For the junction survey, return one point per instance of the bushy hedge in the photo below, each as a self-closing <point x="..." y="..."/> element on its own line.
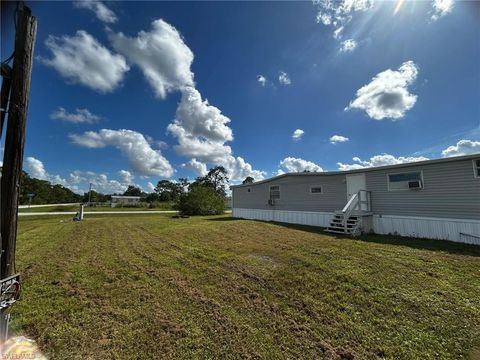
<point x="201" y="200"/>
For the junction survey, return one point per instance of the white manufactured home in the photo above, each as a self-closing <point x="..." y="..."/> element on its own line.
<point x="437" y="199"/>
<point x="120" y="200"/>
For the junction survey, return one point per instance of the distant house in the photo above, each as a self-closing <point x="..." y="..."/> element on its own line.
<point x="438" y="199"/>
<point x="125" y="200"/>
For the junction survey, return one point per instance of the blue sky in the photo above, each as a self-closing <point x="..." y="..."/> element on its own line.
<point x="119" y="88"/>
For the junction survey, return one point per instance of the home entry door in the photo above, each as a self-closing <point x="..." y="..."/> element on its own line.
<point x="355" y="183"/>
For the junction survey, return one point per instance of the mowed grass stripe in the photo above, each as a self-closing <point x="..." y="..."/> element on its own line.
<point x="150" y="286"/>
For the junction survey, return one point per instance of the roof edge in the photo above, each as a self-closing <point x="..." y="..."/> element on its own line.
<point x="346" y="172"/>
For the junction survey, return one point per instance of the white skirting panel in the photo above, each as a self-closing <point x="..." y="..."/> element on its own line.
<point x="312" y="218"/>
<point x="459" y="230"/>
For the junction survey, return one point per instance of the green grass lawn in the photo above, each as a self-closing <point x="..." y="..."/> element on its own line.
<point x="153" y="287"/>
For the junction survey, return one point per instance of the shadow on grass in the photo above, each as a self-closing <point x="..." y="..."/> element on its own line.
<point x="415" y="243"/>
<point x="226" y="218"/>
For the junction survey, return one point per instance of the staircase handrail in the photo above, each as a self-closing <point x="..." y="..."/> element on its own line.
<point x="347" y="210"/>
<point x="350" y="202"/>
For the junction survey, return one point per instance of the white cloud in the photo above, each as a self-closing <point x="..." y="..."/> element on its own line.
<point x="338" y="139"/>
<point x="387" y="96"/>
<point x="198" y="167"/>
<point x="102" y="12"/>
<point x="284" y="79"/>
<point x="161" y="144"/>
<point x="463" y="147"/>
<point x="126" y="176"/>
<point x="162" y="55"/>
<point x="292" y="164"/>
<point x="238" y="169"/>
<point x="201" y="129"/>
<point x="201" y="119"/>
<point x="79" y="181"/>
<point x="337" y="34"/>
<point x="82" y="59"/>
<point x="297" y="134"/>
<point x="197" y="147"/>
<point x="441" y="8"/>
<point x="379" y="160"/>
<point x="142" y="159"/>
<point x="150" y="187"/>
<point x="348" y="45"/>
<point x="76" y="117"/>
<point x="36" y="169"/>
<point x="262" y="80"/>
<point x="338" y="13"/>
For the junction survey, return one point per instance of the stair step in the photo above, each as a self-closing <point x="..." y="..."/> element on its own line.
<point x="348" y="221"/>
<point x="351" y="222"/>
<point x="342" y="226"/>
<point x="341" y="217"/>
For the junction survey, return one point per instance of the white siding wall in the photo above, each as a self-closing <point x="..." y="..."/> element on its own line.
<point x="432" y="228"/>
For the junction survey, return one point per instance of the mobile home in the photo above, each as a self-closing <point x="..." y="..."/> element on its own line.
<point x="437" y="199"/>
<point x="120" y="200"/>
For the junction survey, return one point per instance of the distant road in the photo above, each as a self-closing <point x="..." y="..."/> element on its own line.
<point x="45" y="205"/>
<point x="97" y="212"/>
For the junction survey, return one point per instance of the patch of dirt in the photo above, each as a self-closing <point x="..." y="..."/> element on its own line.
<point x="335" y="353"/>
<point x="264" y="259"/>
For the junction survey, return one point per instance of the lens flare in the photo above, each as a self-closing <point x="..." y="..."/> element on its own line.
<point x="398" y="6"/>
<point x="20" y="348"/>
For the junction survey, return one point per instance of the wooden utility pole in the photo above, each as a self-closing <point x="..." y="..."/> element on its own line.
<point x="5" y="93"/>
<point x="26" y="29"/>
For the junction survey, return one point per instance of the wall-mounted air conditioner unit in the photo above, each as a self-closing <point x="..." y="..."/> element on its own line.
<point x="415" y="185"/>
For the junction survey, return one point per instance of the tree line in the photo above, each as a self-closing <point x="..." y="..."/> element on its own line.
<point x="203" y="196"/>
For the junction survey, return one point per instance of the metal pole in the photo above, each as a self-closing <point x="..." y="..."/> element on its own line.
<point x="89" y="195"/>
<point x="14" y="145"/>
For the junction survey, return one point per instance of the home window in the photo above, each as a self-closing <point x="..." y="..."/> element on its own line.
<point x="405" y="181"/>
<point x="249" y="190"/>
<point x="316" y="190"/>
<point x="476" y="168"/>
<point x="274" y="192"/>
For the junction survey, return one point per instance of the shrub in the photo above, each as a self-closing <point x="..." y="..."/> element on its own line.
<point x="162" y="205"/>
<point x="201" y="200"/>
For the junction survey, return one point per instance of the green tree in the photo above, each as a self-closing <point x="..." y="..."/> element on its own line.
<point x="43" y="192"/>
<point x="168" y="190"/>
<point x="248" y="180"/>
<point x="184" y="184"/>
<point x="152" y="197"/>
<point x="201" y="200"/>
<point x="132" y="191"/>
<point x="216" y="178"/>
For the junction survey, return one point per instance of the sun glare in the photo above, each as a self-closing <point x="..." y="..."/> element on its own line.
<point x="398" y="6"/>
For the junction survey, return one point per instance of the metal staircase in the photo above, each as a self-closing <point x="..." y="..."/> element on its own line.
<point x="349" y="220"/>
